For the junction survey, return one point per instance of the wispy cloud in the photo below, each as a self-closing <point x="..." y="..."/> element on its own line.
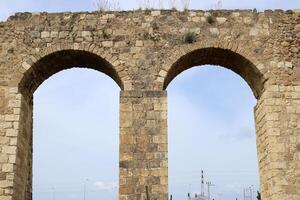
<point x="232" y="188"/>
<point x="73" y="196"/>
<point x="106" y="186"/>
<point x="242" y="133"/>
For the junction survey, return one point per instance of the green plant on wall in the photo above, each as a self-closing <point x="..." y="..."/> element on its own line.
<point x="210" y="20"/>
<point x="189" y="37"/>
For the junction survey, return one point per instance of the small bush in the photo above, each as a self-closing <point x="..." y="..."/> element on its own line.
<point x="155" y="26"/>
<point x="211" y="20"/>
<point x="189" y="37"/>
<point x="105" y="34"/>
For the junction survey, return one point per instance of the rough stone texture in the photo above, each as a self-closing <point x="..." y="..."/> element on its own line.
<point x="143" y="148"/>
<point x="143" y="52"/>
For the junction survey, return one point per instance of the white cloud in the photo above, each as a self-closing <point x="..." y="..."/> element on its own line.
<point x="233" y="187"/>
<point x="73" y="196"/>
<point x="106" y="186"/>
<point x="245" y="132"/>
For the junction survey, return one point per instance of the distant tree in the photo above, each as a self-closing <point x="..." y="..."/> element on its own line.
<point x="107" y="5"/>
<point x="258" y="195"/>
<point x="185" y="4"/>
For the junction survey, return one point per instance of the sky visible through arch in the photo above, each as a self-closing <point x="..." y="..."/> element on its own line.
<point x="211" y="123"/>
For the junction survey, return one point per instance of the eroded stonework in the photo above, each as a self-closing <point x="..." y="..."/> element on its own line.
<point x="143" y="52"/>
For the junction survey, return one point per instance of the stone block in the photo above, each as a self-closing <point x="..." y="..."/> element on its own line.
<point x="155" y="13"/>
<point x="221" y="20"/>
<point x="45" y="34"/>
<point x="214" y="31"/>
<point x="11" y="150"/>
<point x="108" y="44"/>
<point x="7" y="167"/>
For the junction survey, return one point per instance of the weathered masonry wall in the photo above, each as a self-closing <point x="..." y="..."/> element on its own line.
<point x="143" y="145"/>
<point x="143" y="52"/>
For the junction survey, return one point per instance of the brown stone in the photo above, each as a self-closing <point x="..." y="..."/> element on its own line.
<point x="143" y="52"/>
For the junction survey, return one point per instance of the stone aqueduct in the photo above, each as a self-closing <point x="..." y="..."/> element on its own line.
<point x="143" y="51"/>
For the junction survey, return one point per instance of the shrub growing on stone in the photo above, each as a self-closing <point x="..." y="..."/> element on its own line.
<point x="189" y="37"/>
<point x="211" y="20"/>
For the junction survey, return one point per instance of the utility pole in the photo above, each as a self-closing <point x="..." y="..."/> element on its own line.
<point x="53" y="193"/>
<point x="251" y="191"/>
<point x="84" y="189"/>
<point x="209" y="184"/>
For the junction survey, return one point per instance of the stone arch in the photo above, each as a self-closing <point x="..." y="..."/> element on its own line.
<point x="38" y="70"/>
<point x="222" y="57"/>
<point x="230" y="56"/>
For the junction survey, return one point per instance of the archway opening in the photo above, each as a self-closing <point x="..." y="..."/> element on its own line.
<point x="216" y="134"/>
<point x="75" y="130"/>
<point x="221" y="57"/>
<point x="75" y="137"/>
<point x="211" y="125"/>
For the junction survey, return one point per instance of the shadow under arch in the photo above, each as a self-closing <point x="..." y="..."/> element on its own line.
<point x="221" y="57"/>
<point x="61" y="60"/>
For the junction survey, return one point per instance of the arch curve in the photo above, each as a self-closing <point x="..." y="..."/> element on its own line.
<point x="56" y="61"/>
<point x="222" y="57"/>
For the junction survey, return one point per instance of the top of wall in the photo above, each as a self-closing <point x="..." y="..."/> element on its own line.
<point x="26" y="15"/>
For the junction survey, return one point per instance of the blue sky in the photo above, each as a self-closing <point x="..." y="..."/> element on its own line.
<point x="8" y="7"/>
<point x="211" y="123"/>
<point x="76" y="136"/>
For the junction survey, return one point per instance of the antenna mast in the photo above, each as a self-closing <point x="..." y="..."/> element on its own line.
<point x="202" y="183"/>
